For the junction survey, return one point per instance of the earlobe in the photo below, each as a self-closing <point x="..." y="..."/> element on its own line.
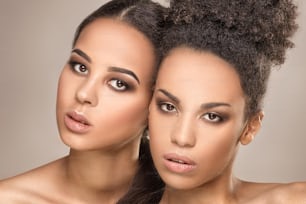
<point x="251" y="129"/>
<point x="246" y="138"/>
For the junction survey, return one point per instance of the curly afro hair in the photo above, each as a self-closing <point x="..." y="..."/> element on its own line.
<point x="252" y="35"/>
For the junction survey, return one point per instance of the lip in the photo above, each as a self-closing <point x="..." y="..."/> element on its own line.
<point x="76" y="122"/>
<point x="178" y="164"/>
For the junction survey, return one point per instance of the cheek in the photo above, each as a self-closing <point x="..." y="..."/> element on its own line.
<point x="133" y="111"/>
<point x="61" y="90"/>
<point x="130" y="112"/>
<point x="219" y="145"/>
<point x="159" y="131"/>
<point x="65" y="89"/>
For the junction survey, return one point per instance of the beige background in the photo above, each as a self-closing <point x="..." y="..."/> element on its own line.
<point x="35" y="40"/>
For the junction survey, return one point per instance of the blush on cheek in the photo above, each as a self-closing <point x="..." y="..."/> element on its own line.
<point x="130" y="115"/>
<point x="225" y="149"/>
<point x="137" y="114"/>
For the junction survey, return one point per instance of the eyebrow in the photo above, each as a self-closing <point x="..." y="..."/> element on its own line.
<point x="82" y="54"/>
<point x="112" y="69"/>
<point x="214" y="105"/>
<point x="124" y="71"/>
<point x="169" y="95"/>
<point x="203" y="106"/>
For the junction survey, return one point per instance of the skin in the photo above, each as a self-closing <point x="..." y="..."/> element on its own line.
<point x="197" y="118"/>
<point x="108" y="84"/>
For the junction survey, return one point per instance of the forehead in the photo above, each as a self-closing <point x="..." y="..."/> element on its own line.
<point x="202" y="75"/>
<point x="109" y="29"/>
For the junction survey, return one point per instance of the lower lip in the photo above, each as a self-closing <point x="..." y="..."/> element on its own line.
<point x="178" y="167"/>
<point x="75" y="126"/>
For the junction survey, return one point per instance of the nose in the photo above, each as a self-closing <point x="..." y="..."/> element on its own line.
<point x="87" y="93"/>
<point x="183" y="133"/>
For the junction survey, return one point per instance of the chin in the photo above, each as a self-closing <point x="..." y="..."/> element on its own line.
<point x="176" y="182"/>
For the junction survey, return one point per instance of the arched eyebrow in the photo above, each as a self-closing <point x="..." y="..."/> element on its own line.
<point x="111" y="69"/>
<point x="82" y="54"/>
<point x="208" y="105"/>
<point x="124" y="71"/>
<point x="169" y="95"/>
<point x="214" y="105"/>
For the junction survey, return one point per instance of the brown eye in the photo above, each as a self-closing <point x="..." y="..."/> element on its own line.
<point x="82" y="68"/>
<point x="79" y="68"/>
<point x="118" y="85"/>
<point x="212" y="117"/>
<point x="167" y="107"/>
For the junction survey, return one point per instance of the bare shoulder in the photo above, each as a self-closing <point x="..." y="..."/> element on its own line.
<point x="28" y="187"/>
<point x="274" y="193"/>
<point x="291" y="193"/>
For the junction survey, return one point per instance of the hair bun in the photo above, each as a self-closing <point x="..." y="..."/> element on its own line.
<point x="267" y="24"/>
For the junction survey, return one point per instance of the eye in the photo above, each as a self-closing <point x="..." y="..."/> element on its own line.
<point x="167" y="107"/>
<point x="79" y="68"/>
<point x="118" y="84"/>
<point x="212" y="117"/>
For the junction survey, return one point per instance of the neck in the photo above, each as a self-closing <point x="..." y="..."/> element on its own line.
<point x="103" y="174"/>
<point x="222" y="190"/>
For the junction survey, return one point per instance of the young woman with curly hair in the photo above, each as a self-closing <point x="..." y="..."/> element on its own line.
<point x="217" y="58"/>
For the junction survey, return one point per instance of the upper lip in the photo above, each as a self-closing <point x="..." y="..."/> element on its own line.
<point x="179" y="159"/>
<point x="79" y="117"/>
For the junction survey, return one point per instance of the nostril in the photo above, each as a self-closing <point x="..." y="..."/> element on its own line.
<point x="87" y="102"/>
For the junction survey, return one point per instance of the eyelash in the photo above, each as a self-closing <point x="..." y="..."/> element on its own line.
<point x="216" y="118"/>
<point x="118" y="87"/>
<point x="209" y="117"/>
<point x="78" y="68"/>
<point x="163" y="107"/>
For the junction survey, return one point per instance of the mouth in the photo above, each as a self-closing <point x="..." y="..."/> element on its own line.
<point x="179" y="164"/>
<point x="77" y="117"/>
<point x="178" y="161"/>
<point x="77" y="122"/>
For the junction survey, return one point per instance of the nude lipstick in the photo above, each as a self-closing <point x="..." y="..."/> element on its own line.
<point x="76" y="122"/>
<point x="178" y="164"/>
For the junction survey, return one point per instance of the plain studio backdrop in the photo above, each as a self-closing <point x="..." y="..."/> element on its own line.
<point x="35" y="43"/>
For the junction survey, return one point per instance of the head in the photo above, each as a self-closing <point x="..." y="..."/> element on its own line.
<point x="212" y="80"/>
<point x="105" y="88"/>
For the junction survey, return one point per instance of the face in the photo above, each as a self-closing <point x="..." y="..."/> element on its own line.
<point x="104" y="89"/>
<point x="196" y="118"/>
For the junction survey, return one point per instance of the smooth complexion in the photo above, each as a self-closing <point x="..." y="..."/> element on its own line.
<point x="104" y="90"/>
<point x="102" y="104"/>
<point x="196" y="122"/>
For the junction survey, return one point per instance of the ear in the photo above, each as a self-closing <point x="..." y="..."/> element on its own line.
<point x="252" y="127"/>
